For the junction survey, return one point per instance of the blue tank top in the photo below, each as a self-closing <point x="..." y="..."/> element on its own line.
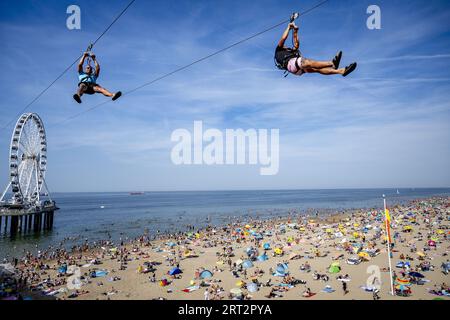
<point x="86" y="78"/>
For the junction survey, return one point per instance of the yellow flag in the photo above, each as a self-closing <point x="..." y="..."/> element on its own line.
<point x="388" y="217"/>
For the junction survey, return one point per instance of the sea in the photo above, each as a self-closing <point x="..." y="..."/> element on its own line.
<point x="123" y="215"/>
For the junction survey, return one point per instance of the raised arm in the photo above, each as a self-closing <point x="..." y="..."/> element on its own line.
<point x="97" y="66"/>
<point x="295" y="37"/>
<point x="284" y="36"/>
<point x="81" y="63"/>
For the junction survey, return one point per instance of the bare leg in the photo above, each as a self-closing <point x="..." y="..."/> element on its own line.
<point x="103" y="91"/>
<point x="325" y="71"/>
<point x="81" y="89"/>
<point x="312" y="64"/>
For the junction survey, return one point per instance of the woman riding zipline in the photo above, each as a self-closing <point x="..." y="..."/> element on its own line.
<point x="292" y="61"/>
<point x="88" y="80"/>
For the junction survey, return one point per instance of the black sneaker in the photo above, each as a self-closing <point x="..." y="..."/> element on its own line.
<point x="77" y="98"/>
<point x="337" y="60"/>
<point x="116" y="96"/>
<point x="349" y="69"/>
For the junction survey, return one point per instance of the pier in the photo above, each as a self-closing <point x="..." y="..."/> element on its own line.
<point x="16" y="220"/>
<point x="26" y="205"/>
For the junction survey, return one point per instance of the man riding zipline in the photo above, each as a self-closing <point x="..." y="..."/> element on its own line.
<point x="88" y="80"/>
<point x="292" y="61"/>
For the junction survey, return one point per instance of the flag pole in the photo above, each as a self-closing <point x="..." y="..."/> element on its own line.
<point x="388" y="245"/>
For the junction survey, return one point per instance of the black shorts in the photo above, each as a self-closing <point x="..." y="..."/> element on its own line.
<point x="90" y="87"/>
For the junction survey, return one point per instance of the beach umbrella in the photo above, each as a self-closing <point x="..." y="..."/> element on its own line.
<point x="278" y="251"/>
<point x="247" y="264"/>
<point x="266" y="246"/>
<point x="205" y="274"/>
<point x="402" y="281"/>
<point x="175" y="271"/>
<point x="431" y="243"/>
<point x="416" y="274"/>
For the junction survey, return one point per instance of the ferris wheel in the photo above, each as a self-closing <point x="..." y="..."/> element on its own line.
<point x="27" y="160"/>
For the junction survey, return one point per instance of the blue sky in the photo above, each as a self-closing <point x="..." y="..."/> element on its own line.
<point x="386" y="125"/>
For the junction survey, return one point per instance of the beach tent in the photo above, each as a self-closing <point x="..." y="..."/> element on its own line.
<point x="62" y="269"/>
<point x="263" y="257"/>
<point x="252" y="287"/>
<point x="247" y="264"/>
<point x="251" y="252"/>
<point x="174" y="271"/>
<point x="171" y="244"/>
<point x="266" y="246"/>
<point x="281" y="270"/>
<point x="258" y="236"/>
<point x="205" y="274"/>
<point x="334" y="268"/>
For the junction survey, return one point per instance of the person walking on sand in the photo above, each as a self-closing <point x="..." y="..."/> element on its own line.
<point x="344" y="287"/>
<point x="206" y="294"/>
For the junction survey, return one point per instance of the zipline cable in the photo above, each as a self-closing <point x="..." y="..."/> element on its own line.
<point x="195" y="62"/>
<point x="69" y="67"/>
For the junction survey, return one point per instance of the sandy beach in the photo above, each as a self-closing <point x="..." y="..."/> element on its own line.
<point x="342" y="256"/>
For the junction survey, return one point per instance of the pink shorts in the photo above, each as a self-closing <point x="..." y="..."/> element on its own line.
<point x="292" y="68"/>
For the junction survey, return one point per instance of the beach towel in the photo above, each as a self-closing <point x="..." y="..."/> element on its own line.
<point x="287" y="285"/>
<point x="100" y="273"/>
<point x="328" y="289"/>
<point x="309" y="295"/>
